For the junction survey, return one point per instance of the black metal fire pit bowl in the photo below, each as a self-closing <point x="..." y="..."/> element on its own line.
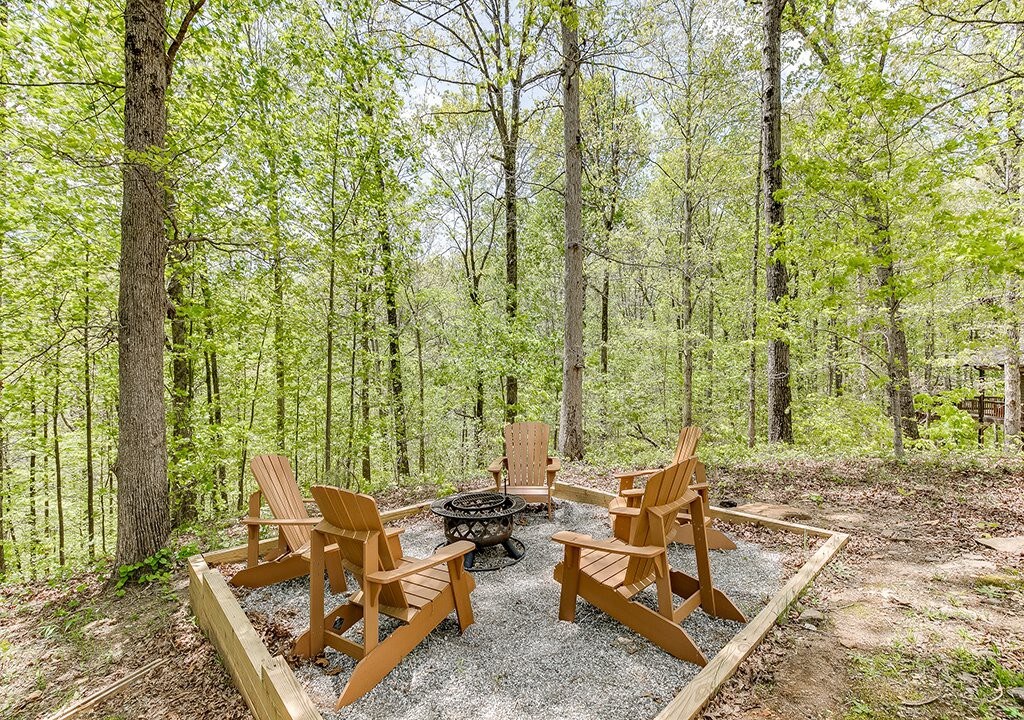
<point x="485" y="519"/>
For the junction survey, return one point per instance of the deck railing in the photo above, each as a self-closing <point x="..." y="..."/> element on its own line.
<point x="994" y="408"/>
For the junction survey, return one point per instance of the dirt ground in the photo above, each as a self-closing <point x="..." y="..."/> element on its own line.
<point x="914" y="619"/>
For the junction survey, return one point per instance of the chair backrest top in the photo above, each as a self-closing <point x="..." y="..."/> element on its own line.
<point x="359" y="514"/>
<point x="526" y="447"/>
<point x="274" y="476"/>
<point x="687" y="443"/>
<point x="665" y="487"/>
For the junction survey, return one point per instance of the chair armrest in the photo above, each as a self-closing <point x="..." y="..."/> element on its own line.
<point x="497" y="465"/>
<point x="554" y="464"/>
<point x="699" y="486"/>
<point x="631" y="492"/>
<point x="280" y="521"/>
<point x="392" y="532"/>
<point x="627" y="511"/>
<point x="589" y="543"/>
<point x="633" y="474"/>
<point x="444" y="555"/>
<point x="674" y="507"/>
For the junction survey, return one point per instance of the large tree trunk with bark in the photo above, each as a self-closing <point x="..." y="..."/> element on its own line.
<point x="780" y="420"/>
<point x="571" y="417"/>
<point x="142" y="490"/>
<point x="511" y="272"/>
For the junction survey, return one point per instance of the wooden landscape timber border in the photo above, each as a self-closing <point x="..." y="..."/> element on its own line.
<point x="272" y="693"/>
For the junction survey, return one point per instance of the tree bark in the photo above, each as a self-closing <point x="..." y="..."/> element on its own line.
<point x="571" y="417"/>
<point x="141" y="468"/>
<point x="423" y="404"/>
<point x="1012" y="389"/>
<point x="754" y="270"/>
<point x="391" y="308"/>
<point x="899" y="390"/>
<point x="364" y="388"/>
<point x="58" y="476"/>
<point x="511" y="273"/>
<point x="90" y="472"/>
<point x="213" y="399"/>
<point x="184" y="509"/>
<point x="278" y="280"/>
<point x="780" y="420"/>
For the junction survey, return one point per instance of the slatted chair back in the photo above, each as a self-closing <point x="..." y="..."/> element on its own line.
<point x="686" y="446"/>
<point x="526" y="447"/>
<point x="358" y="517"/>
<point x="276" y="482"/>
<point x="665" y="488"/>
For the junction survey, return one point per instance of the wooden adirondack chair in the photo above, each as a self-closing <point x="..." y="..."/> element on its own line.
<point x="630" y="496"/>
<point x="527" y="465"/>
<point x="610" y="573"/>
<point x="291" y="558"/>
<point x="420" y="593"/>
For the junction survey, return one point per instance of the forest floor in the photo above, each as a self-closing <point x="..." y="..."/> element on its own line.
<point x="914" y="619"/>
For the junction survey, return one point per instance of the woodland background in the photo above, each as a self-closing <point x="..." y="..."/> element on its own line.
<point x="351" y="280"/>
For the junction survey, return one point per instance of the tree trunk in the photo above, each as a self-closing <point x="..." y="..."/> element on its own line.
<point x="252" y="419"/>
<point x="571" y="418"/>
<point x="33" y="527"/>
<point x="329" y="395"/>
<point x="90" y="473"/>
<point x="604" y="323"/>
<point x="391" y="307"/>
<point x="423" y="404"/>
<point x="754" y="270"/>
<point x="58" y="477"/>
<point x="901" y="395"/>
<point x="1011" y="392"/>
<point x="278" y="279"/>
<point x="183" y="498"/>
<point x="141" y="467"/>
<point x="780" y="420"/>
<point x="686" y="317"/>
<point x="511" y="275"/>
<point x="213" y="401"/>
<point x="364" y="388"/>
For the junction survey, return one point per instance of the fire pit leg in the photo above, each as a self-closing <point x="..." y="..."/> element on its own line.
<point x="512" y="550"/>
<point x="467" y="561"/>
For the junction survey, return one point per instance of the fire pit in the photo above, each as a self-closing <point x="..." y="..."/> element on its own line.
<point x="485" y="519"/>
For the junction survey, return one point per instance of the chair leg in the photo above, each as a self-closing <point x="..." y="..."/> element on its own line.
<point x="685" y="585"/>
<point x="460" y="593"/>
<point x="349" y="613"/>
<point x="570" y="584"/>
<point x="660" y="630"/>
<point x="385" y="657"/>
<point x="717" y="540"/>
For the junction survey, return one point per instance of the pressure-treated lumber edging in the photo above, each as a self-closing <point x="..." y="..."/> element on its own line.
<point x="699" y="691"/>
<point x="266" y="683"/>
<point x="272" y="693"/>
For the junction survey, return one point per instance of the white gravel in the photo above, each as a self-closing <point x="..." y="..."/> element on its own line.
<point x="519" y="660"/>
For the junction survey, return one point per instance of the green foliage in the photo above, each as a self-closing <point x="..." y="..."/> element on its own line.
<point x="302" y="135"/>
<point x="947" y="427"/>
<point x="155" y="568"/>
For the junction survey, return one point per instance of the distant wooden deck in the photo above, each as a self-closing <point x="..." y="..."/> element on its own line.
<point x="986" y="410"/>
